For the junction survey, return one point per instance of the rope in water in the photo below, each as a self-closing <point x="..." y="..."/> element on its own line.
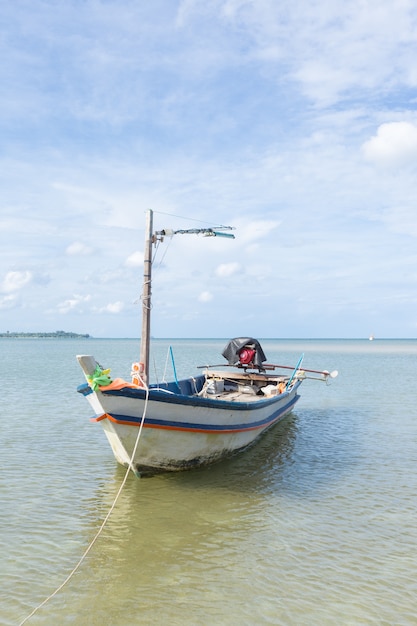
<point x="98" y="533"/>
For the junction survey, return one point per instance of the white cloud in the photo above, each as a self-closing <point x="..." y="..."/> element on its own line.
<point x="327" y="50"/>
<point x="73" y="304"/>
<point x="78" y="249"/>
<point x="113" y="307"/>
<point x="135" y="259"/>
<point x="184" y="11"/>
<point x="256" y="230"/>
<point x="205" y="296"/>
<point x="8" y="302"/>
<point x="394" y="144"/>
<point x="14" y="281"/>
<point x="402" y="220"/>
<point x="228" y="269"/>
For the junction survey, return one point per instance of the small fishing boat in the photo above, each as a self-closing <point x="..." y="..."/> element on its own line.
<point x="187" y="423"/>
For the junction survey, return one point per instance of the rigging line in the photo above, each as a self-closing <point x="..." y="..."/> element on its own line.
<point x="110" y="511"/>
<point x="186" y="218"/>
<point x="154" y="269"/>
<point x="164" y="254"/>
<point x="164" y="380"/>
<point x="155" y="372"/>
<point x="141" y="298"/>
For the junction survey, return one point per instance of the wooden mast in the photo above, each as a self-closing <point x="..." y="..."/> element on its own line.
<point x="146" y="298"/>
<point x="151" y="238"/>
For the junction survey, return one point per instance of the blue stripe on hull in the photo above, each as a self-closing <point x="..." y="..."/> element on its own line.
<point x="209" y="428"/>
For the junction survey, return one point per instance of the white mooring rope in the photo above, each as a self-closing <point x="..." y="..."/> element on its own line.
<point x="98" y="533"/>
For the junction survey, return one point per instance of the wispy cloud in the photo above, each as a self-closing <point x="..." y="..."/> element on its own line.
<point x="112" y="307"/>
<point x="228" y="269"/>
<point x="16" y="280"/>
<point x="78" y="249"/>
<point x="74" y="304"/>
<point x="293" y="122"/>
<point x="135" y="259"/>
<point x="8" y="302"/>
<point x="205" y="296"/>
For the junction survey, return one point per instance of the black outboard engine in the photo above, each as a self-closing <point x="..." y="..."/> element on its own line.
<point x="245" y="352"/>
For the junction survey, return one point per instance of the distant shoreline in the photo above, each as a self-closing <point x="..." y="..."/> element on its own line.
<point x="58" y="334"/>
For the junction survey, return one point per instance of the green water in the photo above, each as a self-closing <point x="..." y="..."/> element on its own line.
<point x="314" y="525"/>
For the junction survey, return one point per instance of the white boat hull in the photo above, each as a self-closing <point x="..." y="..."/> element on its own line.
<point x="182" y="430"/>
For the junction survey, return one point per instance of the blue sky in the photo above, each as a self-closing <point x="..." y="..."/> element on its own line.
<point x="294" y="122"/>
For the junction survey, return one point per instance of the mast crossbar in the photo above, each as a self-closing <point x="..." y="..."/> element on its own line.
<point x="207" y="232"/>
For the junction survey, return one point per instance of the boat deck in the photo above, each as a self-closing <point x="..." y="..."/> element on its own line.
<point x="237" y="396"/>
<point x="244" y="377"/>
<point x="241" y="386"/>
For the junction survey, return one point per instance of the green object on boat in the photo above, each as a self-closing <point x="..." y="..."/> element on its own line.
<point x="100" y="378"/>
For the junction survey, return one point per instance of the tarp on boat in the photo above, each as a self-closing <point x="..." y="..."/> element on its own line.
<point x="235" y="346"/>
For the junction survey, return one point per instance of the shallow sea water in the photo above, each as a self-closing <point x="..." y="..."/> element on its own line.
<point x="315" y="524"/>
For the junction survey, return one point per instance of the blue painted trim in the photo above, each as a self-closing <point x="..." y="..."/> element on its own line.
<point x="157" y="395"/>
<point x="84" y="389"/>
<point x="195" y="401"/>
<point x="192" y="426"/>
<point x="185" y="387"/>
